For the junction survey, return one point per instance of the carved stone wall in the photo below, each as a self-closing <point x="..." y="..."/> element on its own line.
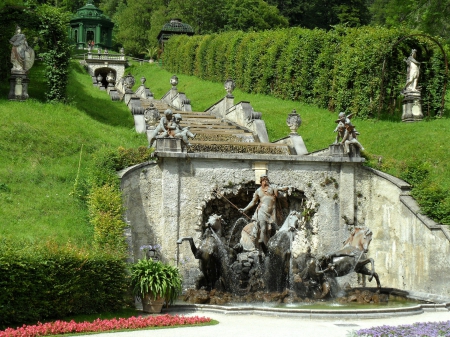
<point x="170" y="199"/>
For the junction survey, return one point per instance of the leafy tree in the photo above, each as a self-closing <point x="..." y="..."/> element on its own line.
<point x="204" y="16"/>
<point x="134" y="23"/>
<point x="248" y="15"/>
<point x="428" y="16"/>
<point x="324" y="13"/>
<point x="56" y="50"/>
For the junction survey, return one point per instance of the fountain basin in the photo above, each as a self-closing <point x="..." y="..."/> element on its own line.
<point x="398" y="304"/>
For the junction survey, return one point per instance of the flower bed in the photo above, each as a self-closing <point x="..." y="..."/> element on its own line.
<point x="427" y="329"/>
<point x="61" y="327"/>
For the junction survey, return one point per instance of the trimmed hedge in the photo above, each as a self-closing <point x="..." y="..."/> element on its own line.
<point x="51" y="282"/>
<point x="340" y="69"/>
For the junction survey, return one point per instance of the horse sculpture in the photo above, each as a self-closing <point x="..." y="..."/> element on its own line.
<point x="318" y="275"/>
<point x="210" y="252"/>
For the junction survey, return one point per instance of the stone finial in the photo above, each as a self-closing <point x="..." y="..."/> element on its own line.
<point x="229" y="87"/>
<point x="122" y="51"/>
<point x="174" y="81"/>
<point x="294" y="121"/>
<point x="99" y="78"/>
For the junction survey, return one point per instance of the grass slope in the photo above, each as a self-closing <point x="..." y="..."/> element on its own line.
<point x="40" y="151"/>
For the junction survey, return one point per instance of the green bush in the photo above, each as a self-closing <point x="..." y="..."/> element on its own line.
<point x="43" y="282"/>
<point x="341" y="69"/>
<point x="105" y="198"/>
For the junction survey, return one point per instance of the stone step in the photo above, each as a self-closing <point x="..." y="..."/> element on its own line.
<point x="237" y="147"/>
<point x="218" y="131"/>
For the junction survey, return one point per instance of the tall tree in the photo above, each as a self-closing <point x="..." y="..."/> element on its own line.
<point x="324" y="13"/>
<point x="204" y="16"/>
<point x="429" y="16"/>
<point x="255" y="15"/>
<point x="134" y="23"/>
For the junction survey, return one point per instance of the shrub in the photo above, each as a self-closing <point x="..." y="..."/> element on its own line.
<point x="341" y="69"/>
<point x="46" y="281"/>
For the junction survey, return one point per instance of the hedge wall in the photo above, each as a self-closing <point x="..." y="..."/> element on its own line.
<point x="340" y="69"/>
<point x="46" y="283"/>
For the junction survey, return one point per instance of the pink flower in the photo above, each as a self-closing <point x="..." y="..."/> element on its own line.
<point x="61" y="327"/>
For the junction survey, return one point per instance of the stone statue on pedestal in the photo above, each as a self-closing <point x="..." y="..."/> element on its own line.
<point x="22" y="59"/>
<point x="412" y="108"/>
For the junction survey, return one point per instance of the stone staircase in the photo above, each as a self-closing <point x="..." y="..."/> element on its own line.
<point x="218" y="135"/>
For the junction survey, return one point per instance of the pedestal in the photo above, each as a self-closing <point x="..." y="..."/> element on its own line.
<point x="337" y="150"/>
<point x="412" y="108"/>
<point x="167" y="144"/>
<point x="18" y="86"/>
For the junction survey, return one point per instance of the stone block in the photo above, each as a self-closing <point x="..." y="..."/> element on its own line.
<point x="167" y="144"/>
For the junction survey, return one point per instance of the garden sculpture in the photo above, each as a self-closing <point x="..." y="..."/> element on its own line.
<point x="22" y="55"/>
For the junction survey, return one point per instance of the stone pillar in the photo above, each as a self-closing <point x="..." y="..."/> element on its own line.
<point x="18" y="86"/>
<point x="412" y="108"/>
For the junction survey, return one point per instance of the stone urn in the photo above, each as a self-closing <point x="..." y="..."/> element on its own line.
<point x="294" y="121"/>
<point x="110" y="78"/>
<point x="229" y="87"/>
<point x="174" y="81"/>
<point x="129" y="81"/>
<point x="152" y="305"/>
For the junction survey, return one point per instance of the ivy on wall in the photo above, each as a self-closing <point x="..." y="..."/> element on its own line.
<point x="340" y="70"/>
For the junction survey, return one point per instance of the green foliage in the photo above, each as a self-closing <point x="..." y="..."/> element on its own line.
<point x="56" y="50"/>
<point x="415" y="173"/>
<point x="341" y="69"/>
<point x="324" y="14"/>
<point x="106" y="215"/>
<point x="105" y="198"/>
<point x="248" y="15"/>
<point x="434" y="200"/>
<point x="135" y="25"/>
<point x="155" y="278"/>
<point x="41" y="282"/>
<point x="427" y="16"/>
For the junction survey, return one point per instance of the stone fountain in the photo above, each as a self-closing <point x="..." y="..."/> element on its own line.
<point x="267" y="257"/>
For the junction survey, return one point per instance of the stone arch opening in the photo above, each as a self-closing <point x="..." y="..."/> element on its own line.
<point x="104" y="71"/>
<point x="229" y="199"/>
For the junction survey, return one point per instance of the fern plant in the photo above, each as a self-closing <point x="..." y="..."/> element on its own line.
<point x="157" y="279"/>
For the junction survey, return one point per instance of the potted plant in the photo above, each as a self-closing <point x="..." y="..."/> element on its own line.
<point x="155" y="282"/>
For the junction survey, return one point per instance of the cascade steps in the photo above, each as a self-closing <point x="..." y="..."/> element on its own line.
<point x="214" y="134"/>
